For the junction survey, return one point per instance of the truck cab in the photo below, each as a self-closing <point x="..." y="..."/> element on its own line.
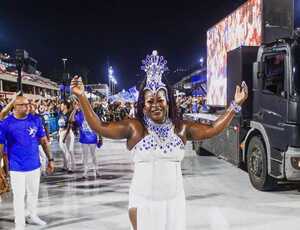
<point x="272" y="145"/>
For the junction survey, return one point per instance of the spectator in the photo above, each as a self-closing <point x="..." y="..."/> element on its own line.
<point x="23" y="132"/>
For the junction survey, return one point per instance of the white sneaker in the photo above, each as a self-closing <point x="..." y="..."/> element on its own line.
<point x="35" y="220"/>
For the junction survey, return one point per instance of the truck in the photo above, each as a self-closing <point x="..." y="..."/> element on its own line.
<point x="265" y="137"/>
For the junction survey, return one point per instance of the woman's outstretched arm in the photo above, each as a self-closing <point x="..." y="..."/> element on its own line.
<point x="113" y="130"/>
<point x="198" y="131"/>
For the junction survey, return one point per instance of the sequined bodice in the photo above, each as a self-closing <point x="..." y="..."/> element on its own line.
<point x="153" y="148"/>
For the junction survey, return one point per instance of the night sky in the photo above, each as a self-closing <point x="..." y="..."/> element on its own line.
<point x="119" y="32"/>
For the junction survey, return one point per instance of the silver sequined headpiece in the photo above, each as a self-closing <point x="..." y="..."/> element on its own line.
<point x="154" y="66"/>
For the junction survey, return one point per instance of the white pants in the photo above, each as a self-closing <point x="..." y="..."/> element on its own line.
<point x="89" y="149"/>
<point x="1" y="165"/>
<point x="67" y="148"/>
<point x="25" y="183"/>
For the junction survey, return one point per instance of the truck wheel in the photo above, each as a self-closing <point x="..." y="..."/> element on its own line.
<point x="203" y="152"/>
<point x="199" y="150"/>
<point x="257" y="165"/>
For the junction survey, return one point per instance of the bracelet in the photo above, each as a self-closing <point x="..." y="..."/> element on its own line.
<point x="51" y="159"/>
<point x="235" y="107"/>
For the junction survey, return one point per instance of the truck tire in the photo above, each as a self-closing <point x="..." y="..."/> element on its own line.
<point x="257" y="165"/>
<point x="203" y="152"/>
<point x="199" y="150"/>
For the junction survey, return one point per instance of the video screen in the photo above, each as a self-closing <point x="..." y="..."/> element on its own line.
<point x="241" y="28"/>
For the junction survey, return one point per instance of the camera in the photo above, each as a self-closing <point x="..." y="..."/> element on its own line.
<point x="21" y="55"/>
<point x="23" y="60"/>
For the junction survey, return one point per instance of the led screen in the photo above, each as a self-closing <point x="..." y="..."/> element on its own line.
<point x="241" y="28"/>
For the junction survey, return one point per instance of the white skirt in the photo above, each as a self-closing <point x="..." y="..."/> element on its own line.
<point x="159" y="215"/>
<point x="161" y="208"/>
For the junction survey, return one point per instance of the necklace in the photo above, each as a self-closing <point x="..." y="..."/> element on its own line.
<point x="163" y="138"/>
<point x="161" y="130"/>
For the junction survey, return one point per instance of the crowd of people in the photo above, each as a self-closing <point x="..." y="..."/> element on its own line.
<point x="50" y="109"/>
<point x="106" y="110"/>
<point x="62" y="121"/>
<point x="191" y="104"/>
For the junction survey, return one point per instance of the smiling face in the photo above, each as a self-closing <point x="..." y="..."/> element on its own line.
<point x="156" y="105"/>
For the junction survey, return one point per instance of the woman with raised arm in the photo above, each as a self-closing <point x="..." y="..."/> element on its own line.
<point x="156" y="137"/>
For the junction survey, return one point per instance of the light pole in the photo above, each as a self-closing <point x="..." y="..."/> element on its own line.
<point x="21" y="56"/>
<point x="64" y="61"/>
<point x="64" y="77"/>
<point x="115" y="84"/>
<point x="110" y="78"/>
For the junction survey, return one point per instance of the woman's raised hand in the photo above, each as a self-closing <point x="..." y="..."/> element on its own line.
<point x="241" y="93"/>
<point x="77" y="86"/>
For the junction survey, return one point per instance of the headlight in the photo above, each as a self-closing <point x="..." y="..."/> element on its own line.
<point x="295" y="162"/>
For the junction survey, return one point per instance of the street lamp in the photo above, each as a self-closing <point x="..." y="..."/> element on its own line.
<point x="110" y="71"/>
<point x="64" y="61"/>
<point x="201" y="61"/>
<point x="111" y="80"/>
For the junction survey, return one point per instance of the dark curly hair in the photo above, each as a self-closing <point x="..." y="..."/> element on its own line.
<point x="173" y="112"/>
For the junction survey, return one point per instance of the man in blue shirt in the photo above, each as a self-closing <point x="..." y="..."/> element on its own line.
<point x="22" y="133"/>
<point x="4" y="185"/>
<point x="4" y="157"/>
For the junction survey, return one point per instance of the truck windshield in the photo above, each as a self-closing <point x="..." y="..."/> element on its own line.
<point x="296" y="70"/>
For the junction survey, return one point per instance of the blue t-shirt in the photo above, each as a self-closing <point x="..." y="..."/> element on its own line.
<point x="87" y="136"/>
<point x="22" y="137"/>
<point x="5" y="144"/>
